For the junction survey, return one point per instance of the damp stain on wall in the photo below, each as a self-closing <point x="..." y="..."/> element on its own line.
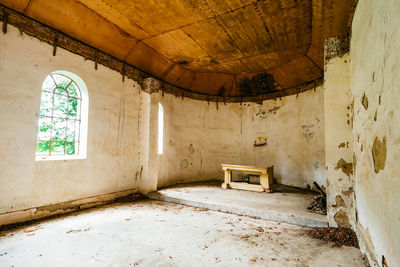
<point x="308" y="132"/>
<point x="191" y="149"/>
<point x="273" y="110"/>
<point x="184" y="164"/>
<point x="379" y="154"/>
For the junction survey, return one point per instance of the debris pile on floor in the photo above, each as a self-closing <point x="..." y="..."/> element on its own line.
<point x="129" y="198"/>
<point x="341" y="236"/>
<point x="318" y="205"/>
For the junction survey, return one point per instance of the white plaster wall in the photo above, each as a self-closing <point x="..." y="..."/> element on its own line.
<point x="339" y="142"/>
<point x="199" y="138"/>
<point x="114" y="140"/>
<point x="375" y="61"/>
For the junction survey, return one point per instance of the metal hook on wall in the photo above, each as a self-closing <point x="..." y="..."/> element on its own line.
<point x="5" y="21"/>
<point x="123" y="71"/>
<point x="55" y="44"/>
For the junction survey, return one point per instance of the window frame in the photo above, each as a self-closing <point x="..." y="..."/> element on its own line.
<point x="84" y="107"/>
<point x="160" y="132"/>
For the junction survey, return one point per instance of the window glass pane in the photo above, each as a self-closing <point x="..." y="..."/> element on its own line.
<point x="73" y="90"/>
<point x="70" y="148"/>
<point x="42" y="147"/>
<point x="72" y="130"/>
<point x="61" y="80"/>
<point x="73" y="108"/>
<point x="57" y="147"/>
<point x="60" y="106"/>
<point x="59" y="129"/>
<point x="46" y="103"/>
<point x="48" y="84"/>
<point x="61" y="91"/>
<point x="44" y="129"/>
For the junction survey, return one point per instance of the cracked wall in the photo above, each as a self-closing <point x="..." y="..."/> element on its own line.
<point x="375" y="83"/>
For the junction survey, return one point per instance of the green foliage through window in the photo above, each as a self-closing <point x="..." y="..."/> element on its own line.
<point x="59" y="120"/>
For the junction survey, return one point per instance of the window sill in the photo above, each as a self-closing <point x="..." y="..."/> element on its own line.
<point x="50" y="158"/>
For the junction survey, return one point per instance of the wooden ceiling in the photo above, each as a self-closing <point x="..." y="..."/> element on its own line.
<point x="204" y="45"/>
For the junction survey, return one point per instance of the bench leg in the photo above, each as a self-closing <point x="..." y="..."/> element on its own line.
<point x="264" y="181"/>
<point x="227" y="179"/>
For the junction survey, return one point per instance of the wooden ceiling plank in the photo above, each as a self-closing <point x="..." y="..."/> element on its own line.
<point x="199" y="45"/>
<point x="297" y="71"/>
<point x="83" y="24"/>
<point x="273" y="60"/>
<point x="109" y="12"/>
<point x="286" y="28"/>
<point x="17" y="5"/>
<point x="180" y="48"/>
<point x="213" y="39"/>
<point x="247" y="30"/>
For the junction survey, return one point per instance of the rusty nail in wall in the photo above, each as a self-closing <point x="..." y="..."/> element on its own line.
<point x="123" y="71"/>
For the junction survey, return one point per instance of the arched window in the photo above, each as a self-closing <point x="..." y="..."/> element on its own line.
<point x="160" y="128"/>
<point x="62" y="129"/>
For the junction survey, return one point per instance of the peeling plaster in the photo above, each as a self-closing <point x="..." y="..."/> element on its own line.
<point x="339" y="202"/>
<point x="348" y="192"/>
<point x="342" y="219"/>
<point x="364" y="102"/>
<point x="342" y="145"/>
<point x="346" y="168"/>
<point x="379" y="154"/>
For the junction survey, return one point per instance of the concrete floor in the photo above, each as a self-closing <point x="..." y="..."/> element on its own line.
<point x="152" y="233"/>
<point x="286" y="204"/>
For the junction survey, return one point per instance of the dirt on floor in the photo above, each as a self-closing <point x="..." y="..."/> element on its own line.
<point x="4" y="229"/>
<point x="341" y="236"/>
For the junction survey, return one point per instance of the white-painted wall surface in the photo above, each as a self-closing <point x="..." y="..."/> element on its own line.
<point x="114" y="144"/>
<point x="375" y="61"/>
<point x="199" y="138"/>
<point x="122" y="135"/>
<point x="339" y="143"/>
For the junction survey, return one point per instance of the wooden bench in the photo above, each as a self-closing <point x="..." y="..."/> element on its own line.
<point x="266" y="177"/>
